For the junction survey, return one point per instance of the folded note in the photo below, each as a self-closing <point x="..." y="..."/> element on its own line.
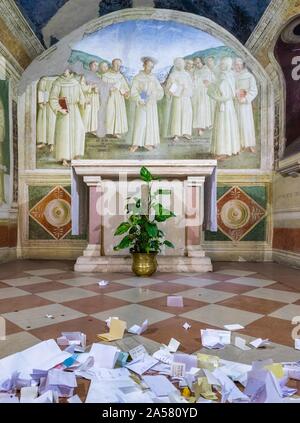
<point x="116" y="331"/>
<point x="174" y="301"/>
<point x="259" y="343"/>
<point x="138" y="330"/>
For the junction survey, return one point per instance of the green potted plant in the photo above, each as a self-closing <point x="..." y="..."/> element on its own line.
<point x="143" y="236"/>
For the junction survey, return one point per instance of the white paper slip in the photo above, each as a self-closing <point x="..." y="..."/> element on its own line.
<point x="163" y="355"/>
<point x="241" y="343"/>
<point x="263" y="387"/>
<point x="173" y="345"/>
<point x="28" y="394"/>
<point x="189" y="360"/>
<point x="177" y="370"/>
<point x="106" y="391"/>
<point x="138" y="330"/>
<point x="160" y="385"/>
<point x="111" y="374"/>
<point x="42" y="356"/>
<point x="174" y="301"/>
<point x="137" y="352"/>
<point x="186" y="326"/>
<point x="230" y="391"/>
<point x="141" y="366"/>
<point x="235" y="370"/>
<point x="292" y="370"/>
<point x="259" y="343"/>
<point x="104" y="355"/>
<point x="194" y="371"/>
<point x="215" y="339"/>
<point x="74" y="400"/>
<point x="233" y="327"/>
<point x="297" y="344"/>
<point x="103" y="283"/>
<point x="57" y="377"/>
<point x="47" y="397"/>
<point x="8" y="398"/>
<point x="162" y="368"/>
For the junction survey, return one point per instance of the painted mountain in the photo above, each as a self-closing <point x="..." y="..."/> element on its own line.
<point x="162" y="73"/>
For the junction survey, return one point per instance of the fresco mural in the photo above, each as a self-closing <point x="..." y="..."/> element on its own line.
<point x="150" y="89"/>
<point x="4" y="137"/>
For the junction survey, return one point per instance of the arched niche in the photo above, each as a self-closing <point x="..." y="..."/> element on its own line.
<point x="54" y="60"/>
<point x="287" y="55"/>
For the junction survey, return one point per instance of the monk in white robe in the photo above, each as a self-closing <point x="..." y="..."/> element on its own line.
<point x="180" y="88"/>
<point x="146" y="91"/>
<point x="2" y="138"/>
<point x="92" y="99"/>
<point x="225" y="135"/>
<point x="102" y="69"/>
<point x="46" y="117"/>
<point x="116" y="118"/>
<point x="202" y="111"/>
<point x="67" y="100"/>
<point x="189" y="67"/>
<point x="246" y="92"/>
<point x="211" y="78"/>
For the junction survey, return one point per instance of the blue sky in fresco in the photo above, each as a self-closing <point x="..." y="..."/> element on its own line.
<point x="134" y="39"/>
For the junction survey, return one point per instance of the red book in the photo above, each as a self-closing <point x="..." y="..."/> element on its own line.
<point x="63" y="103"/>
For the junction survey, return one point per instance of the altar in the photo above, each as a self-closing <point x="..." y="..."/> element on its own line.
<point x="100" y="190"/>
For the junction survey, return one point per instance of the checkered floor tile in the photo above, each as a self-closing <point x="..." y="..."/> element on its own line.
<point x="39" y="299"/>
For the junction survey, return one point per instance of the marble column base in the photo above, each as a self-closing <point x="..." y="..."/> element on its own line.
<point x="123" y="264"/>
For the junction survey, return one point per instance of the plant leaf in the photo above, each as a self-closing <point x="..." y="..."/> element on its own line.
<point x="151" y="229"/>
<point x="125" y="243"/>
<point x="122" y="228"/>
<point x="169" y="244"/>
<point x="145" y="174"/>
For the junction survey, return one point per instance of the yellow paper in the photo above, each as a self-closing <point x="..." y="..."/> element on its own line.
<point x="205" y="389"/>
<point x="116" y="331"/>
<point x="209" y="362"/>
<point x="276" y="369"/>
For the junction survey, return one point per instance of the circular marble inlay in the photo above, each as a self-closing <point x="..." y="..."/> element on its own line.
<point x="58" y="212"/>
<point x="235" y="214"/>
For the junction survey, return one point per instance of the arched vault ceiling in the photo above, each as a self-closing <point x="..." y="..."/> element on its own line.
<point x="53" y="19"/>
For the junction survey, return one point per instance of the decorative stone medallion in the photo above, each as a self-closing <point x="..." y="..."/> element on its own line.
<point x="53" y="212"/>
<point x="238" y="213"/>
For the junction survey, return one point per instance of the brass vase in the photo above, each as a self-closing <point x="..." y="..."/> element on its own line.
<point x="144" y="264"/>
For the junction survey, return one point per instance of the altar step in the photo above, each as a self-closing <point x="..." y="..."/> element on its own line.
<point x="195" y="263"/>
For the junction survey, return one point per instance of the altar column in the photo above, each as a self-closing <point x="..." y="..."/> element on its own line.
<point x="95" y="215"/>
<point x="194" y="215"/>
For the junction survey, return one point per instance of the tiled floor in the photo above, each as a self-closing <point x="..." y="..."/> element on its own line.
<point x="39" y="299"/>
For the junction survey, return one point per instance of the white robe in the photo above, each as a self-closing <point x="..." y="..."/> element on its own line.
<point x="46" y="117"/>
<point x="202" y="103"/>
<point x="2" y="137"/>
<point x="181" y="85"/>
<point x="210" y="75"/>
<point x="90" y="114"/>
<point x="146" y="126"/>
<point x="225" y="135"/>
<point x="246" y="81"/>
<point x="69" y="129"/>
<point x="116" y="118"/>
